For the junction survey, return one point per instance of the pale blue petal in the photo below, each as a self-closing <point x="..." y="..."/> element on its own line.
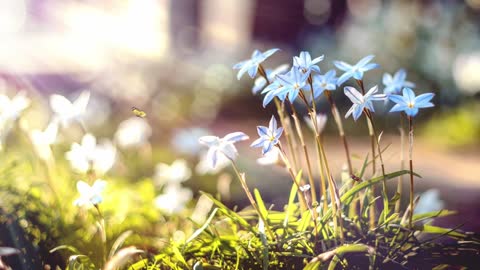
<point x="330" y="75"/>
<point x="236" y="137"/>
<point x="212" y="157"/>
<point x="262" y="131"/>
<point x="240" y="64"/>
<point x="267" y="146"/>
<point x="318" y="59"/>
<point x="369" y="67"/>
<point x="258" y="142"/>
<point x="387" y="79"/>
<point x="365" y="60"/>
<point x="398" y="99"/>
<point x="270" y="52"/>
<point x="409" y="84"/>
<point x="423" y="99"/>
<point x="278" y="133"/>
<point x="350" y="111"/>
<point x="345" y="76"/>
<point x="357" y="112"/>
<point x="353" y="94"/>
<point x="358" y="74"/>
<point x="411" y="111"/>
<point x="272" y="125"/>
<point x="242" y="71"/>
<point x="401" y="75"/>
<point x="398" y="108"/>
<point x="252" y="71"/>
<point x="408" y="94"/>
<point x="342" y="65"/>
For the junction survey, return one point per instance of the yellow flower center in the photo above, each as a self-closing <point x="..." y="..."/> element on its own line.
<point x="410" y="105"/>
<point x="296" y="86"/>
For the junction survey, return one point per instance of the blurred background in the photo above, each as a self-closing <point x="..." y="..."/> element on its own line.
<point x="173" y="59"/>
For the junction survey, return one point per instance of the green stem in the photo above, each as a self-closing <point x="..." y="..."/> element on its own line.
<point x="103" y="233"/>
<point x="402" y="165"/>
<point x="298" y="127"/>
<point x="301" y="198"/>
<point x="410" y="140"/>
<point x="243" y="182"/>
<point x="341" y="132"/>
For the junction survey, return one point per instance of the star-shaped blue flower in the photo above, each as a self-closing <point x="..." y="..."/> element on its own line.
<point x="292" y="83"/>
<point x="273" y="90"/>
<point x="225" y="146"/>
<point x="361" y="102"/>
<point x="260" y="82"/>
<point x="356" y="71"/>
<point x="393" y="84"/>
<point x="305" y="63"/>
<point x="269" y="137"/>
<point x="324" y="82"/>
<point x="251" y="65"/>
<point x="409" y="103"/>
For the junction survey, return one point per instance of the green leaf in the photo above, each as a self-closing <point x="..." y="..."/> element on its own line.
<point x="291" y="206"/>
<point x="361" y="186"/>
<point x="234" y="216"/>
<point x="444" y="231"/>
<point x="305" y="221"/>
<point x="260" y="203"/>
<point x="204" y="226"/>
<point x="119" y="242"/>
<point x="434" y="214"/>
<point x="65" y="247"/>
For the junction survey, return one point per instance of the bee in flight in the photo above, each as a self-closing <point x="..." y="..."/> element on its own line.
<point x="138" y="113"/>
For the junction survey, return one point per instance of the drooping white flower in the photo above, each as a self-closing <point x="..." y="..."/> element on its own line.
<point x="90" y="195"/>
<point x="204" y="166"/>
<point x="272" y="157"/>
<point x="222" y="146"/>
<point x="42" y="140"/>
<point x="67" y="111"/>
<point x="173" y="199"/>
<point x="133" y="132"/>
<point x="89" y="155"/>
<point x="10" y="109"/>
<point x="175" y="173"/>
<point x="321" y="119"/>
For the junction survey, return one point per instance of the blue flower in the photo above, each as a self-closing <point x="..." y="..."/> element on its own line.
<point x="260" y="82"/>
<point x="409" y="103"/>
<point x="269" y="137"/>
<point x="292" y="83"/>
<point x="251" y="65"/>
<point x="394" y="84"/>
<point x="223" y="146"/>
<point x="324" y="82"/>
<point x="356" y="71"/>
<point x="273" y="90"/>
<point x="305" y="63"/>
<point x="361" y="102"/>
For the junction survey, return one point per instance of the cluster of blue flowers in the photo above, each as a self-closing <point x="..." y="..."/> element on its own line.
<point x="287" y="84"/>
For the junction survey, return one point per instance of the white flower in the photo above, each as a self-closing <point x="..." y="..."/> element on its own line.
<point x="67" y="111"/>
<point x="10" y="109"/>
<point x="176" y="173"/>
<point x="321" y="122"/>
<point x="429" y="202"/>
<point x="222" y="146"/>
<point x="89" y="155"/>
<point x="133" y="132"/>
<point x="204" y="166"/>
<point x="272" y="157"/>
<point x="42" y="140"/>
<point x="90" y="195"/>
<point x="173" y="199"/>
